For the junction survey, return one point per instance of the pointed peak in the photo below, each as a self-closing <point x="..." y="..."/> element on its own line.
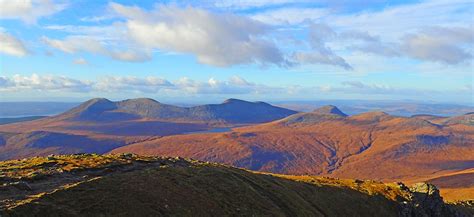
<point x="96" y="102"/>
<point x="89" y="108"/>
<point x="329" y="110"/>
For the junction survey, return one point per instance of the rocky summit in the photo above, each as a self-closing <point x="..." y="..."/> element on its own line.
<point x="132" y="185"/>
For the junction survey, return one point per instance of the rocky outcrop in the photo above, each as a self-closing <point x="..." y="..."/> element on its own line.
<point x="424" y="200"/>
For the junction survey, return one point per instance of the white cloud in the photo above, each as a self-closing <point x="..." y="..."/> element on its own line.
<point x="225" y="39"/>
<point x="320" y="52"/>
<point x="114" y="33"/>
<point x="291" y="16"/>
<point x="379" y="89"/>
<point x="245" y="4"/>
<point x="235" y="85"/>
<point x="437" y="44"/>
<point x="97" y="18"/>
<point x="43" y="83"/>
<point x="396" y="31"/>
<point x="124" y="84"/>
<point x="80" y="61"/>
<point x="365" y="42"/>
<point x="319" y="58"/>
<point x="28" y="10"/>
<point x="216" y="39"/>
<point x="75" y="44"/>
<point x="393" y="22"/>
<point x="445" y="45"/>
<point x="11" y="45"/>
<point x="133" y="84"/>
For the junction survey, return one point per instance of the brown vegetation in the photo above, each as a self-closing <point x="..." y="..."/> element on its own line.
<point x="111" y="185"/>
<point x="368" y="146"/>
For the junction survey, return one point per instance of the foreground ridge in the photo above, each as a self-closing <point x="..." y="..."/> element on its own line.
<point x="128" y="184"/>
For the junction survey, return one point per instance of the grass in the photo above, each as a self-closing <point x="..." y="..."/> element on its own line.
<point x="125" y="184"/>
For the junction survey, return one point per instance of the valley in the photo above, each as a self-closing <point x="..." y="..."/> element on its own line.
<point x="323" y="142"/>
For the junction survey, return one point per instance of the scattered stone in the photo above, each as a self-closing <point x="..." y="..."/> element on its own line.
<point x="21" y="185"/>
<point x="51" y="157"/>
<point x="128" y="156"/>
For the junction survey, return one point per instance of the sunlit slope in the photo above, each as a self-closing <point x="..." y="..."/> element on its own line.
<point x="371" y="145"/>
<point x="111" y="185"/>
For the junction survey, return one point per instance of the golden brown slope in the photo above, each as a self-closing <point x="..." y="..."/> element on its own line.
<point x="130" y="185"/>
<point x="368" y="146"/>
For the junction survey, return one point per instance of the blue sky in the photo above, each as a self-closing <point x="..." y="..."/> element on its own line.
<point x="256" y="50"/>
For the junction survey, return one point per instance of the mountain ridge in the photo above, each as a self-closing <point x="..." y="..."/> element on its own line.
<point x="231" y="111"/>
<point x="100" y="122"/>
<point x="373" y="145"/>
<point x="120" y="185"/>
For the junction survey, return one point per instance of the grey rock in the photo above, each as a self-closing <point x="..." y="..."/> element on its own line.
<point x="21" y="185"/>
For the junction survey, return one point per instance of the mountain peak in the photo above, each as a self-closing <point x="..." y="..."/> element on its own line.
<point x="97" y="100"/>
<point x="232" y="100"/>
<point x="329" y="110"/>
<point x="231" y="111"/>
<point x="140" y="101"/>
<point x="97" y="103"/>
<point x="90" y="108"/>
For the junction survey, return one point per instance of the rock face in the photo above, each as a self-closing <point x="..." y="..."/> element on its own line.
<point x="424" y="200"/>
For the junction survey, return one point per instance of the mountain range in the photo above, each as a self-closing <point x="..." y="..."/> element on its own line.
<point x="99" y="125"/>
<point x="259" y="136"/>
<point x="327" y="142"/>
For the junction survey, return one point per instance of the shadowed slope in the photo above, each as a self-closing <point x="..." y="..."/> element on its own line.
<point x="230" y="111"/>
<point x="111" y="185"/>
<point x="101" y="121"/>
<point x="329" y="110"/>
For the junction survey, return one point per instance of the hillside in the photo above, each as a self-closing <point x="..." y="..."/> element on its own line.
<point x="231" y="111"/>
<point x="371" y="145"/>
<point x="19" y="119"/>
<point x="126" y="185"/>
<point x="99" y="125"/>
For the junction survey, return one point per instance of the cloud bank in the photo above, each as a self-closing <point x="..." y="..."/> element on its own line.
<point x="29" y="11"/>
<point x="225" y="33"/>
<point x="235" y="85"/>
<point x="215" y="39"/>
<point x="11" y="46"/>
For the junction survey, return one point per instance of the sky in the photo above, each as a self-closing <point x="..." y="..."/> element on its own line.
<point x="210" y="50"/>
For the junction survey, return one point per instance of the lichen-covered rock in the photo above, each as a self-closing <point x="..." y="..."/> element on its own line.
<point x="424" y="200"/>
